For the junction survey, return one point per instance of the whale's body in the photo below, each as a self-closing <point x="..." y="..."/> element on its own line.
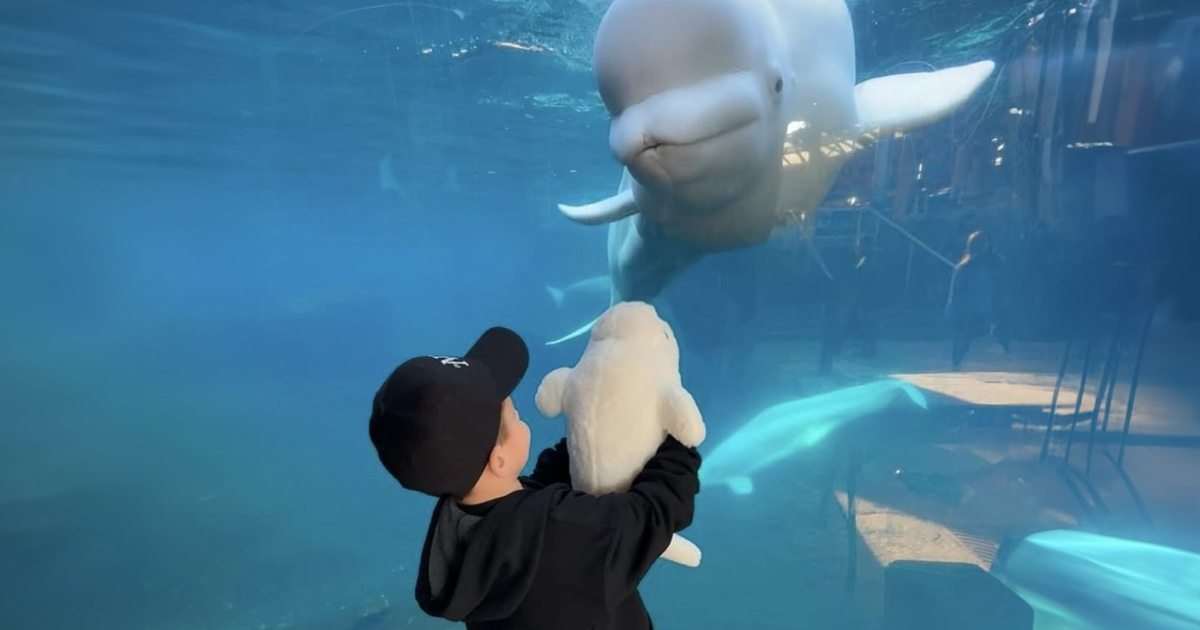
<point x="1079" y="579"/>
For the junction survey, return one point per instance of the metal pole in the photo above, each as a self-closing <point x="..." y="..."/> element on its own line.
<point x="1062" y="370"/>
<point x="913" y="238"/>
<point x="1105" y="383"/>
<point x="852" y="518"/>
<point x="1133" y="383"/>
<point x="908" y="268"/>
<point x="1113" y="387"/>
<point x="816" y="255"/>
<point x="1087" y="364"/>
<point x="858" y="228"/>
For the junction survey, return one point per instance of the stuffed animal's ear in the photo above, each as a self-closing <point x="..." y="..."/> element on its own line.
<point x="681" y="416"/>
<point x="549" y="397"/>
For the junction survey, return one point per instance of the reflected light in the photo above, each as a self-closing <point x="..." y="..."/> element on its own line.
<point x="831" y="146"/>
<point x="891" y="535"/>
<point x="521" y="47"/>
<point x="994" y="388"/>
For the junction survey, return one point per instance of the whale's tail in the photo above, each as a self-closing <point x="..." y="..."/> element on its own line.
<point x="556" y="294"/>
<point x="586" y="328"/>
<point x="578" y="332"/>
<point x="682" y="551"/>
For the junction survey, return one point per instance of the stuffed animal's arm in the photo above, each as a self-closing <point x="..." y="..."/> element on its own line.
<point x="549" y="397"/>
<point x="682" y="416"/>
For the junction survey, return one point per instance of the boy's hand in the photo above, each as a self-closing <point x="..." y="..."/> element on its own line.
<point x="553" y="465"/>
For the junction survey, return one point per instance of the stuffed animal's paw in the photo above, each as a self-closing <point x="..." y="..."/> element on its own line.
<point x="549" y="396"/>
<point x="691" y="434"/>
<point x="683" y="419"/>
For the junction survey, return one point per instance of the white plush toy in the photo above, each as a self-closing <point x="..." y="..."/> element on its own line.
<point x="620" y="401"/>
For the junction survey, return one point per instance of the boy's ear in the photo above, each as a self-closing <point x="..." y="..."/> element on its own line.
<point x="496" y="462"/>
<point x="493" y="462"/>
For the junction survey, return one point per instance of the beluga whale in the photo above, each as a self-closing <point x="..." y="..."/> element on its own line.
<point x="790" y="428"/>
<point x="732" y="116"/>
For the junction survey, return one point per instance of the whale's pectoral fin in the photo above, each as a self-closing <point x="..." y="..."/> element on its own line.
<point x="549" y="397"/>
<point x="740" y="485"/>
<point x="681" y="416"/>
<point x="682" y="551"/>
<point x="608" y="210"/>
<point x="915" y="395"/>
<point x="907" y="101"/>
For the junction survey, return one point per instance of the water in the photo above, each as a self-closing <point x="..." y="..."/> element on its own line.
<point x="223" y="225"/>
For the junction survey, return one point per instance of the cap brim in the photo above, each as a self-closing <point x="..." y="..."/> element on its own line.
<point x="505" y="354"/>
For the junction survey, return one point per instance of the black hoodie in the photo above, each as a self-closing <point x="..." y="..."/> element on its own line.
<point x="548" y="557"/>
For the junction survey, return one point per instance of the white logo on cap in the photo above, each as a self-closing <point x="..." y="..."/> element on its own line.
<point x="454" y="362"/>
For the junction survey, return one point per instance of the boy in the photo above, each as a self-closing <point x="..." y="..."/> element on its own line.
<point x="506" y="551"/>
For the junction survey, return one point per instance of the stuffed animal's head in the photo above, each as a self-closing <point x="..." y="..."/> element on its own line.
<point x="638" y="322"/>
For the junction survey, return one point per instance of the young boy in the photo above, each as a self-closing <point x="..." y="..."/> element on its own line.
<point x="506" y="551"/>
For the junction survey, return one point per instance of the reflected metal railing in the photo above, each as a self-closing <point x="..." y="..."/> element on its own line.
<point x="1140" y="287"/>
<point x="1141" y="306"/>
<point x="911" y="237"/>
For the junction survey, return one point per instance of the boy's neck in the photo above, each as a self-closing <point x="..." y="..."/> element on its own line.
<point x="492" y="492"/>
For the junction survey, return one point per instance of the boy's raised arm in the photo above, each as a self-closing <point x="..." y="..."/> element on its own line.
<point x="660" y="502"/>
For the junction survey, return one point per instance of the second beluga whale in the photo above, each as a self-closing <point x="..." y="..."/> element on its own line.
<point x="729" y="116"/>
<point x="790" y="428"/>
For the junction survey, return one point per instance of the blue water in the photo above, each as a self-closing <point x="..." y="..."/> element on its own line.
<point x="223" y="223"/>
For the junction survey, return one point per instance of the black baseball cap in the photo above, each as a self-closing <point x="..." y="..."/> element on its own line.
<point x="435" y="419"/>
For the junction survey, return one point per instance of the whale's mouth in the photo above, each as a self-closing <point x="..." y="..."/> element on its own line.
<point x="652" y="145"/>
<point x="686" y="116"/>
<point x="671" y="165"/>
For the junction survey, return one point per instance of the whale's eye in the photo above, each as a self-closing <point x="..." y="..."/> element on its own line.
<point x="778" y="85"/>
